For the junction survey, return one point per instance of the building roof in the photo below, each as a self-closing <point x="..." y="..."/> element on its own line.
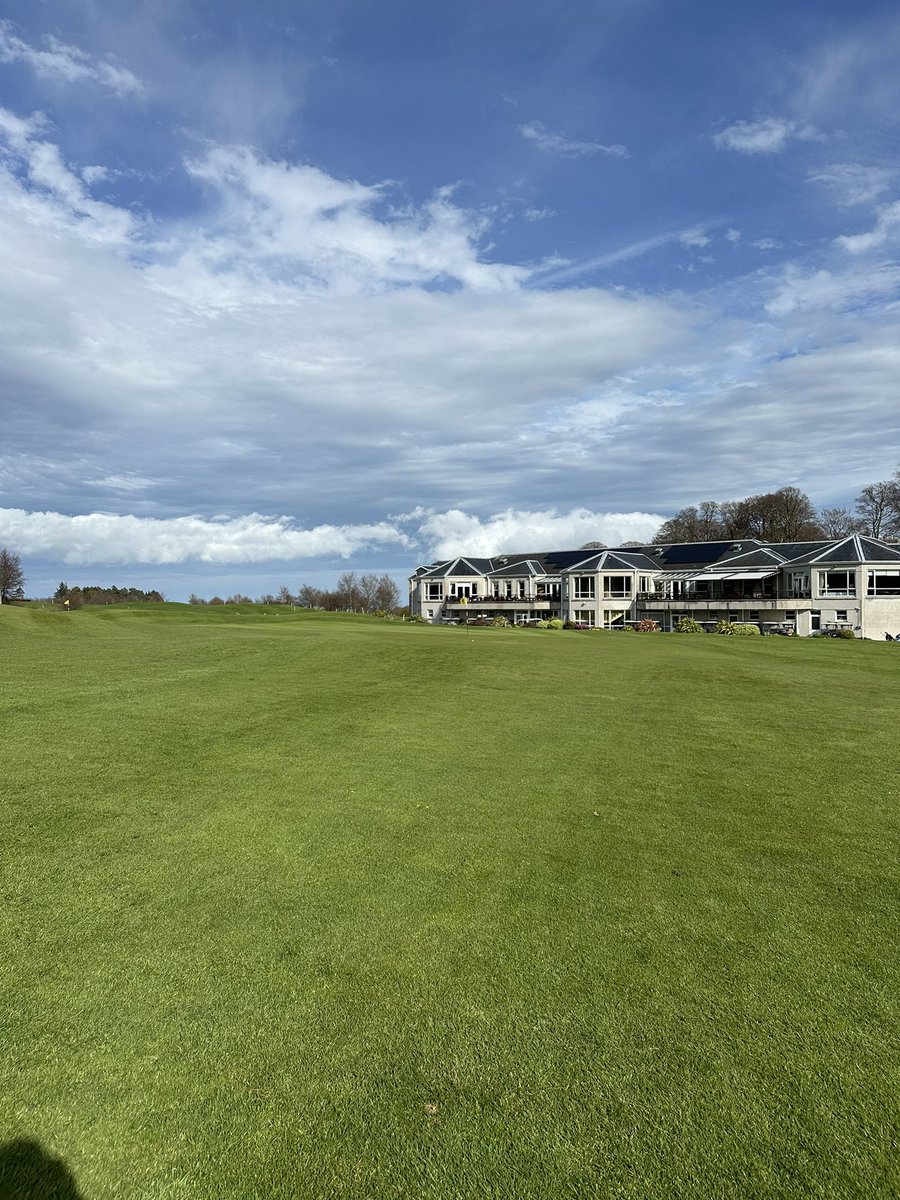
<point x="852" y="550"/>
<point x="676" y="560"/>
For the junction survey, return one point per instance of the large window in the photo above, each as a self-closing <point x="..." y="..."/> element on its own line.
<point x="884" y="583"/>
<point x="434" y="591"/>
<point x="585" y="616"/>
<point x="585" y="587"/>
<point x="616" y="587"/>
<point x="837" y="583"/>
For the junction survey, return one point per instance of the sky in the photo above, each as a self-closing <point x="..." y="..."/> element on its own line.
<point x="297" y="288"/>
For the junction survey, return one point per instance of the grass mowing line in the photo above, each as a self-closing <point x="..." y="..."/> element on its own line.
<point x="331" y="907"/>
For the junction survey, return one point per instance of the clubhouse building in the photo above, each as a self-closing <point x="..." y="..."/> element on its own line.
<point x="802" y="587"/>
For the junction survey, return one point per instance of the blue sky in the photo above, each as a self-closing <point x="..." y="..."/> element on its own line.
<point x="292" y="289"/>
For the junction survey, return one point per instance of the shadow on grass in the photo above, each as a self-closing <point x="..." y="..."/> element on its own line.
<point x="28" y="1172"/>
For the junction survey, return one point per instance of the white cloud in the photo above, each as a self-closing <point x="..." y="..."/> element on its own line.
<point x="340" y="232"/>
<point x="69" y="203"/>
<point x="887" y="222"/>
<point x="106" y="538"/>
<point x="823" y="289"/>
<point x="766" y="136"/>
<point x="853" y="183"/>
<point x="566" y="147"/>
<point x="766" y="244"/>
<point x="456" y="532"/>
<point x="67" y="64"/>
<point x="693" y="237"/>
<point x="733" y="236"/>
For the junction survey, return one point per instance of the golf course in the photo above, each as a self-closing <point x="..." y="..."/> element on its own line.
<point x="320" y="906"/>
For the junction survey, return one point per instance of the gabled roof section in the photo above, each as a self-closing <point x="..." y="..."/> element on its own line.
<point x="459" y="566"/>
<point x="757" y="556"/>
<point x="521" y="568"/>
<point x="614" y="560"/>
<point x="853" y="550"/>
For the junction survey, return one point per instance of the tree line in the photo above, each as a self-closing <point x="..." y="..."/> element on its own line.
<point x="354" y="593"/>
<point x="787" y="515"/>
<point x="77" y="596"/>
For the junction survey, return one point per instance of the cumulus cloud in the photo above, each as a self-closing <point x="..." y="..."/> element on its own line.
<point x="766" y="136"/>
<point x="566" y="147"/>
<point x="106" y="538"/>
<point x="67" y="64"/>
<point x="456" y="532"/>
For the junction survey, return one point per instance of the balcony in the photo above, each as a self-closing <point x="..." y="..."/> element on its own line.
<point x="502" y="603"/>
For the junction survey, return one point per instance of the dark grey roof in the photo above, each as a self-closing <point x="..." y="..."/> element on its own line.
<point x="615" y="560"/>
<point x="459" y="566"/>
<point x="519" y="568"/>
<point x="757" y="556"/>
<point x="855" y="549"/>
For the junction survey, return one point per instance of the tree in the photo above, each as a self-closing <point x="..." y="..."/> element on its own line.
<point x="348" y="590"/>
<point x="61" y="592"/>
<point x="594" y="546"/>
<point x="878" y="506"/>
<point x="12" y="579"/>
<point x="368" y="590"/>
<point x="839" y="522"/>
<point x="786" y="515"/>
<point x="309" y="597"/>
<point x="387" y="594"/>
<point x="284" y="596"/>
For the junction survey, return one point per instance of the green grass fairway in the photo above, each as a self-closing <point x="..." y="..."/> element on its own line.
<point x="307" y="906"/>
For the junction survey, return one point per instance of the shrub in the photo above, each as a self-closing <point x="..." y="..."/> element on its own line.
<point x="500" y="622"/>
<point x="647" y="626"/>
<point x="847" y="634"/>
<point x="727" y="627"/>
<point x="542" y="624"/>
<point x="554" y="623"/>
<point x="689" y="625"/>
<point x="747" y="630"/>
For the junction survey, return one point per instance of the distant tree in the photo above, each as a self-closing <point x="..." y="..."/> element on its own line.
<point x="786" y="515"/>
<point x="683" y="527"/>
<point x="266" y="598"/>
<point x="195" y="599"/>
<point x="624" y="544"/>
<point x="12" y="579"/>
<point x="368" y="590"/>
<point x="309" y="597"/>
<point x="217" y="600"/>
<point x="878" y="506"/>
<point x="594" y="546"/>
<point x="284" y="596"/>
<point x="348" y="591"/>
<point x="61" y="592"/>
<point x="387" y="594"/>
<point x="839" y="522"/>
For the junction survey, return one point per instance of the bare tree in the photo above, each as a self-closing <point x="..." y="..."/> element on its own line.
<point x="368" y="590"/>
<point x="284" y="596"/>
<point x="878" y="506"/>
<point x="348" y="590"/>
<point x="594" y="546"/>
<point x="839" y="522"/>
<point x="387" y="595"/>
<point x="12" y="579"/>
<point x="309" y="597"/>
